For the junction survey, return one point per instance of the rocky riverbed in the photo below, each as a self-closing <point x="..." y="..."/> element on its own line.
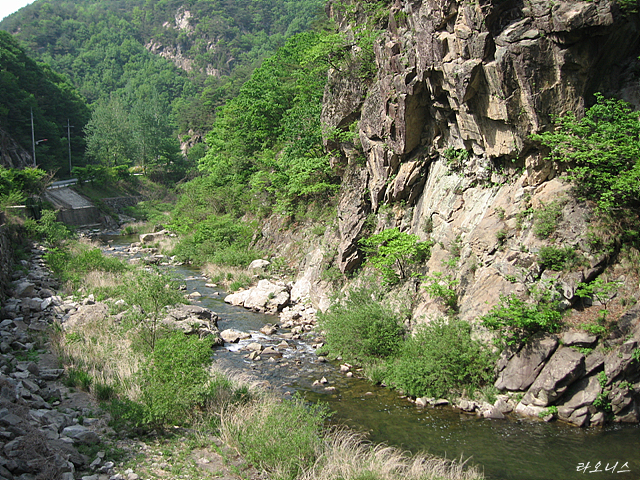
<point x="49" y="431"/>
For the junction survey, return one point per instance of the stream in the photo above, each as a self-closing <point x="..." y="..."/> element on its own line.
<point x="511" y="449"/>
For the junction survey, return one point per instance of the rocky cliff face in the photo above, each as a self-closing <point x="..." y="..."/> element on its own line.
<point x="13" y="155"/>
<point x="444" y="127"/>
<point x="443" y="150"/>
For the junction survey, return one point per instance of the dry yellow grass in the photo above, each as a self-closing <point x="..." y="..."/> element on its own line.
<point x="103" y="350"/>
<point x="347" y="455"/>
<point x="224" y="275"/>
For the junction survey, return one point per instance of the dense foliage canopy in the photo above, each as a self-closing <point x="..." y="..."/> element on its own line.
<point x="106" y="46"/>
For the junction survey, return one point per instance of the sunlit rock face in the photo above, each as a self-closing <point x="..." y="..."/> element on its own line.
<point x="443" y="147"/>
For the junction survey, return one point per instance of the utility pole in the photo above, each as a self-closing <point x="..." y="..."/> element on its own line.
<point x="33" y="140"/>
<point x="69" y="127"/>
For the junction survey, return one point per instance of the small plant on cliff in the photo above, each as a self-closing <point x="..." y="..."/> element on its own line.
<point x="552" y="410"/>
<point x="441" y="357"/>
<point x="557" y="259"/>
<point x="602" y="401"/>
<point x="456" y="158"/>
<point x="441" y="286"/>
<point x="600" y="290"/>
<point x="392" y="251"/>
<point x="546" y="219"/>
<point x="516" y="320"/>
<point x="360" y="328"/>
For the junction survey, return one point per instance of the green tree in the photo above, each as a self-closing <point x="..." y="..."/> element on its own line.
<point x="392" y="251"/>
<point x="110" y="136"/>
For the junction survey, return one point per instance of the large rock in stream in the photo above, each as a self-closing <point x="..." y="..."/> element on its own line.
<point x="193" y="319"/>
<point x="265" y="297"/>
<point x="523" y="368"/>
<point x="582" y="394"/>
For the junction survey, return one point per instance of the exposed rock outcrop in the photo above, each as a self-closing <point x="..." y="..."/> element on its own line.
<point x="444" y="131"/>
<point x="193" y="319"/>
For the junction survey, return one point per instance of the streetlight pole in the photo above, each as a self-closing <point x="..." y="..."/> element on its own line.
<point x="33" y="140"/>
<point x="69" y="127"/>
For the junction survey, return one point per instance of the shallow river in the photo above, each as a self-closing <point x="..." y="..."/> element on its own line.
<point x="512" y="449"/>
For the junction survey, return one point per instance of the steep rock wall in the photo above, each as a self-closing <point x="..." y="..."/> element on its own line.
<point x="444" y="149"/>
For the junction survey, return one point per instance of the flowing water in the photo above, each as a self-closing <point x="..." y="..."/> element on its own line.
<point x="511" y="449"/>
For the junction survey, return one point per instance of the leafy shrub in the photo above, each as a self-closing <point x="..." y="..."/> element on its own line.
<point x="545" y="219"/>
<point x="175" y="378"/>
<point x="516" y="320"/>
<point x="443" y="287"/>
<point x="219" y="240"/>
<point x="392" y="249"/>
<point x="360" y="328"/>
<point x="552" y="410"/>
<point x="150" y="291"/>
<point x="280" y="437"/>
<point x="602" y="401"/>
<point x="602" y="151"/>
<point x="558" y="259"/>
<point x="48" y="229"/>
<point x="28" y="181"/>
<point x="72" y="264"/>
<point x="439" y="358"/>
<point x="594" y="329"/>
<point x="599" y="289"/>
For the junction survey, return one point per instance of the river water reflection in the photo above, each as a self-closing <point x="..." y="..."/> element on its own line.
<point x="512" y="449"/>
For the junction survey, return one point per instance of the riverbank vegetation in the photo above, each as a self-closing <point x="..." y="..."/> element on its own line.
<point x="150" y="389"/>
<point x="436" y="359"/>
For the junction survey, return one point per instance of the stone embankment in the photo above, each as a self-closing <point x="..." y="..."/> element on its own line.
<point x="42" y="423"/>
<point x="588" y="380"/>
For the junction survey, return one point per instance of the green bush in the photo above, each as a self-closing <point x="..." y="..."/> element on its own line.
<point x="280" y="437"/>
<point x="220" y="240"/>
<point x="392" y="250"/>
<point x="516" y="320"/>
<point x="440" y="286"/>
<point x="602" y="151"/>
<point x="71" y="265"/>
<point x="545" y="219"/>
<point x="360" y="328"/>
<point x="557" y="259"/>
<point x="439" y="359"/>
<point x="48" y="229"/>
<point x="175" y="379"/>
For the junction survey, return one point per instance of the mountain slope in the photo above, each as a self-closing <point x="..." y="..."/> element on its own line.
<point x="195" y="53"/>
<point x="26" y="87"/>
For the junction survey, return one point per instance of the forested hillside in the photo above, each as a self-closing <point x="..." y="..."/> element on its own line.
<point x="192" y="55"/>
<point x="26" y="87"/>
